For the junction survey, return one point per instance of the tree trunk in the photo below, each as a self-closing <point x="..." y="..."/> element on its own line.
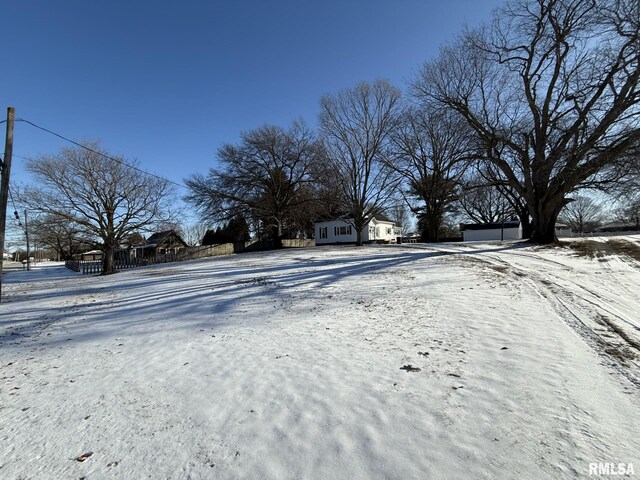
<point x="358" y="235"/>
<point x="431" y="227"/>
<point x="107" y="264"/>
<point x="544" y="224"/>
<point x="527" y="228"/>
<point x="359" y="224"/>
<point x="277" y="235"/>
<point x="433" y="230"/>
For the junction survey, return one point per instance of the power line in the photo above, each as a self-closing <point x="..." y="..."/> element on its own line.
<point x="99" y="153"/>
<point x="19" y="156"/>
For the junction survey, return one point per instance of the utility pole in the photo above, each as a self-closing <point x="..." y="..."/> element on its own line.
<point x="26" y="234"/>
<point x="4" y="184"/>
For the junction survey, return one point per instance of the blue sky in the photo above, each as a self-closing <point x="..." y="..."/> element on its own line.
<point x="167" y="83"/>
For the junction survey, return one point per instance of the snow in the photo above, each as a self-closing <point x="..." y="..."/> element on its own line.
<point x="288" y="365"/>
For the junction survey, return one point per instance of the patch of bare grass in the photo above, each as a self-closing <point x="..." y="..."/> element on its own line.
<point x="498" y="268"/>
<point x="627" y="248"/>
<point x="601" y="250"/>
<point x="586" y="248"/>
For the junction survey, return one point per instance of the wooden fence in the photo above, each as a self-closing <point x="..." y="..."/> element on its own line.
<point x="84" y="266"/>
<point x="189" y="253"/>
<point x="95" y="266"/>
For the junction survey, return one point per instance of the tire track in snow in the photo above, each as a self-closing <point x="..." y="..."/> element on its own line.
<point x="563" y="301"/>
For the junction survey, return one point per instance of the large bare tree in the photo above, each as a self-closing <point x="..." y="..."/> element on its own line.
<point x="551" y="90"/>
<point x="582" y="214"/>
<point x="356" y="125"/>
<point x="399" y="213"/>
<point x="106" y="196"/>
<point x="263" y="179"/>
<point x="193" y="233"/>
<point x="65" y="237"/>
<point x="483" y="202"/>
<point x="432" y="151"/>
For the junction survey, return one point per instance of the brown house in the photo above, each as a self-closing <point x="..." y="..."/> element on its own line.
<point x="161" y="243"/>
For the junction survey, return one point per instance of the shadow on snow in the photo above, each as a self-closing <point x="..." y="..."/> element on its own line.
<point x="204" y="293"/>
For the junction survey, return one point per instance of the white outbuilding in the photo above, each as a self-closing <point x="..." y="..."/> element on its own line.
<point x="511" y="230"/>
<point x="340" y="229"/>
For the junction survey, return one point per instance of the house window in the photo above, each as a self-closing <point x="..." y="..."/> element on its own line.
<point x="346" y="230"/>
<point x="323" y="232"/>
<point x="389" y="231"/>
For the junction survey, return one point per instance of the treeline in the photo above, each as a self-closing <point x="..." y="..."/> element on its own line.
<point x="512" y="119"/>
<point x="522" y="117"/>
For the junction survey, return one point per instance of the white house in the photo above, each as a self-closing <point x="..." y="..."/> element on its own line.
<point x="340" y="229"/>
<point x="491" y="231"/>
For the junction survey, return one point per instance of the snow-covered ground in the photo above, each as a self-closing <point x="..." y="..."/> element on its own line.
<point x="290" y="364"/>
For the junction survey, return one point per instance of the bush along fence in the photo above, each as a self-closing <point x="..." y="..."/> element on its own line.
<point x="189" y="253"/>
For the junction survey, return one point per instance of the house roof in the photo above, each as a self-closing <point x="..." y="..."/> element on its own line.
<point x="616" y="226"/>
<point x="489" y="226"/>
<point x="348" y="215"/>
<point x="159" y="237"/>
<point x="382" y="218"/>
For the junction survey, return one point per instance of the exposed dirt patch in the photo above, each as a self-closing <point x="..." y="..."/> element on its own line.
<point x="485" y="264"/>
<point x="498" y="268"/>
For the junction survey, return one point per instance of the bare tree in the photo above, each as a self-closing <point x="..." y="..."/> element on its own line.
<point x="105" y="196"/>
<point x="261" y="179"/>
<point x="493" y="176"/>
<point x="65" y="237"/>
<point x="484" y="203"/>
<point x="432" y="151"/>
<point x="399" y="213"/>
<point x="551" y="90"/>
<point x="356" y="125"/>
<point x="194" y="233"/>
<point x="582" y="214"/>
<point x="628" y="210"/>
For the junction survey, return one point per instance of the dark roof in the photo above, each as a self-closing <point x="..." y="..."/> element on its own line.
<point x="334" y="216"/>
<point x="348" y="215"/>
<point x="159" y="237"/>
<point x="382" y="218"/>
<point x="489" y="226"/>
<point x="617" y="227"/>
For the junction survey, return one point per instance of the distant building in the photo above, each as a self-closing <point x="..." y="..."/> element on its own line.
<point x="501" y="231"/>
<point x="161" y="243"/>
<point x="90" y="255"/>
<point x="339" y="229"/>
<point x="617" y="227"/>
<point x="511" y="230"/>
<point x="563" y="230"/>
